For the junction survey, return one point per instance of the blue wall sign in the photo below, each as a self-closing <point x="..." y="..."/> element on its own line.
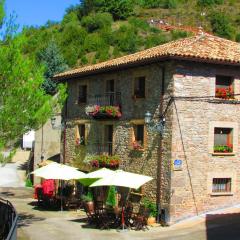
<point x="177" y="164"/>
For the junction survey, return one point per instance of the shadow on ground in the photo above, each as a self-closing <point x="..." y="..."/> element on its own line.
<point x="25" y="219"/>
<point x="223" y="226"/>
<point x="7" y="194"/>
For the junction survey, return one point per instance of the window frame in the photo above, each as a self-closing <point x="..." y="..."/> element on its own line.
<point x="86" y="94"/>
<point x="132" y="135"/>
<point x="227" y="87"/>
<point x="220" y="124"/>
<point x="229" y="140"/>
<point x="227" y="187"/>
<point x="137" y="78"/>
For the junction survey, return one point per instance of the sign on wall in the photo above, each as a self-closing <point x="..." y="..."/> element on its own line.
<point x="177" y="165"/>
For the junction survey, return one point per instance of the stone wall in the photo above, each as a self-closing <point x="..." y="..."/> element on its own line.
<point x="133" y="111"/>
<point x="192" y="140"/>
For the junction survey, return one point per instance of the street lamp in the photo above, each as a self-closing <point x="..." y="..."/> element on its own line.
<point x="154" y="126"/>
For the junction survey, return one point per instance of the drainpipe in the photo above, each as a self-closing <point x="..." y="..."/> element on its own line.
<point x="159" y="162"/>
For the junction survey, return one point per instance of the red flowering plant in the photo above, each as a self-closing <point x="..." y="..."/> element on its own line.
<point x="111" y="111"/>
<point x="223" y="148"/>
<point x="137" y="145"/>
<point x="225" y="93"/>
<point x="105" y="161"/>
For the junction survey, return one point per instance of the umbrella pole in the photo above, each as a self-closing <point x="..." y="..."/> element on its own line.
<point x="61" y="195"/>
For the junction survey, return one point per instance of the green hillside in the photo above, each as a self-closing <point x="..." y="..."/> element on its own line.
<point x="97" y="30"/>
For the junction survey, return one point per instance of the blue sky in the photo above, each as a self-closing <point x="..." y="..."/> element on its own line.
<point x="38" y="12"/>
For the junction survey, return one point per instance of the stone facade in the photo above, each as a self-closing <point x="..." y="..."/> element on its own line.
<point x="187" y="134"/>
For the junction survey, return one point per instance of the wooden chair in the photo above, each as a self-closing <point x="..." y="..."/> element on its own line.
<point x="140" y="220"/>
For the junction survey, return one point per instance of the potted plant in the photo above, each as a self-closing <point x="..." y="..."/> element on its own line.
<point x="153" y="211"/>
<point x="88" y="200"/>
<point x="105" y="161"/>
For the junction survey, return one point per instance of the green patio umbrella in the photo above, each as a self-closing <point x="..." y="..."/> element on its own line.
<point x="92" y="177"/>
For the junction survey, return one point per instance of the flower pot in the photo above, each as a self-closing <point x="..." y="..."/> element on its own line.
<point x="90" y="206"/>
<point x="151" y="221"/>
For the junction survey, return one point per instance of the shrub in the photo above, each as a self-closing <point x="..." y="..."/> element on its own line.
<point x="154" y="40"/>
<point x="151" y="206"/>
<point x="139" y="23"/>
<point x="176" y="34"/>
<point x="238" y="37"/>
<point x="93" y="42"/>
<point x="97" y="21"/>
<point x="221" y="25"/>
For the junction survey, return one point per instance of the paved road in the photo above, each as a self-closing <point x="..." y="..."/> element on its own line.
<point x="9" y="176"/>
<point x="36" y="224"/>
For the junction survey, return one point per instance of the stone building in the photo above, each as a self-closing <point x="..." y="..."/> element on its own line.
<point x="193" y="83"/>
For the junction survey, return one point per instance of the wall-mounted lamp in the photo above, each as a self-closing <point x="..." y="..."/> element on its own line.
<point x="154" y="126"/>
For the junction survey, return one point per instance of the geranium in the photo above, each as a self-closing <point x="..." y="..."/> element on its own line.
<point x="225" y="93"/>
<point x="223" y="148"/>
<point x="136" y="145"/>
<point x="105" y="161"/>
<point x="112" y="111"/>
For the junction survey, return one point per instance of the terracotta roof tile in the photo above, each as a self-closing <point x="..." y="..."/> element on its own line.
<point x="200" y="47"/>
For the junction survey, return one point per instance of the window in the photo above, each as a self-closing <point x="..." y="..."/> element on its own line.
<point x="82" y="98"/>
<point x="221" y="185"/>
<point x="224" y="87"/>
<point x="80" y="135"/>
<point x="138" y="141"/>
<point x="139" y="87"/>
<point x="223" y="140"/>
<point x="108" y="139"/>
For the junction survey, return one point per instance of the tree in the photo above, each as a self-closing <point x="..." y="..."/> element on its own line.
<point x="24" y="105"/>
<point x="1" y="11"/>
<point x="54" y="63"/>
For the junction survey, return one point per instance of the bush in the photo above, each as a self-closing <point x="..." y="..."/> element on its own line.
<point x="97" y="21"/>
<point x="126" y="39"/>
<point x="238" y="37"/>
<point x="151" y="206"/>
<point x="221" y="25"/>
<point x="154" y="40"/>
<point x="139" y="23"/>
<point x="208" y="3"/>
<point x="176" y="34"/>
<point x="93" y="42"/>
<point x="28" y="183"/>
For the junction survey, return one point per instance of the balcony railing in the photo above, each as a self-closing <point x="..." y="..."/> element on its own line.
<point x="8" y="221"/>
<point x="105" y="106"/>
<point x="102" y="149"/>
<point x="107" y="99"/>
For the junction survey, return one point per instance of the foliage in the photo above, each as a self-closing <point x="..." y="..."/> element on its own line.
<point x="151" y="206"/>
<point x="238" y="37"/>
<point x="6" y="159"/>
<point x="221" y="25"/>
<point x="223" y="148"/>
<point x="96" y="21"/>
<point x="120" y="9"/>
<point x="104" y="161"/>
<point x="111" y="198"/>
<point x="24" y="105"/>
<point x="28" y="183"/>
<point x="208" y="3"/>
<point x="54" y="63"/>
<point x="112" y="111"/>
<point x="88" y="197"/>
<point x="2" y="13"/>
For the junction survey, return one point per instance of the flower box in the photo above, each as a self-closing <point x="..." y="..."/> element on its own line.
<point x="223" y="148"/>
<point x="101" y="112"/>
<point x="225" y="93"/>
<point x="100" y="161"/>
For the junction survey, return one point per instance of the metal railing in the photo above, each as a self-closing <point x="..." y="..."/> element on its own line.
<point x="107" y="99"/>
<point x="8" y="221"/>
<point x="102" y="149"/>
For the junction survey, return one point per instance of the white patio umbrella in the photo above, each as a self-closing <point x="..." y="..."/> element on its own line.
<point x="58" y="171"/>
<point x="122" y="179"/>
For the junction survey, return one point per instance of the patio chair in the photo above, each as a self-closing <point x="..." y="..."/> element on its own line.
<point x="128" y="214"/>
<point x="90" y="213"/>
<point x="140" y="220"/>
